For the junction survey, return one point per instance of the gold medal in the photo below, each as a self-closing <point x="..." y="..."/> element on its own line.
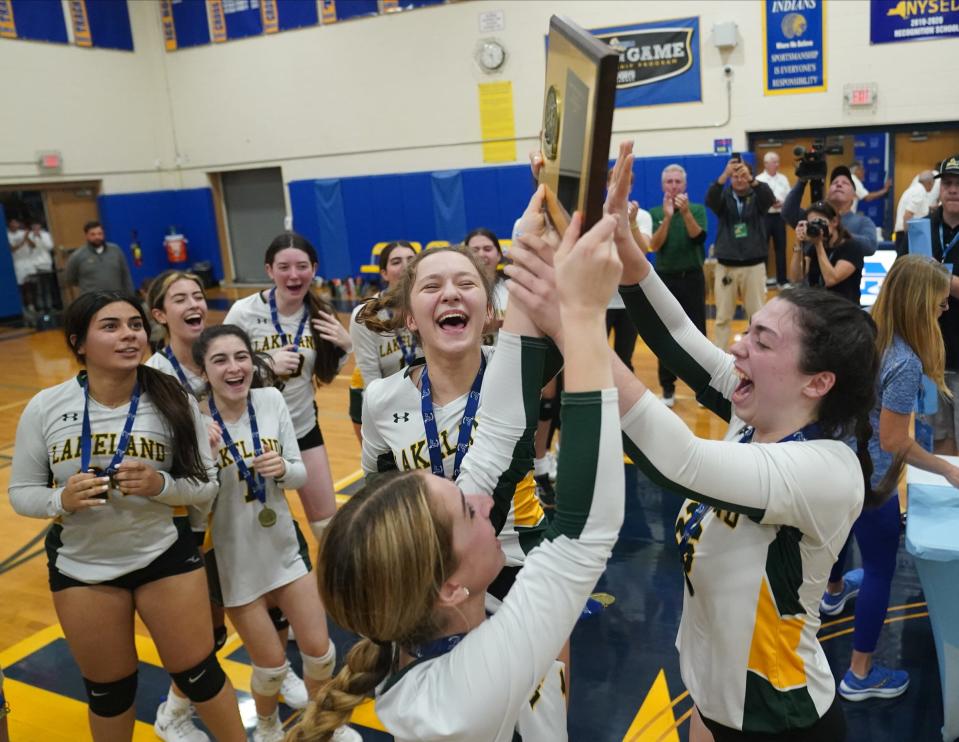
<point x="267" y="517"/>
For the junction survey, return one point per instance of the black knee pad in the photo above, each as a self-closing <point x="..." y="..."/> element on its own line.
<point x="219" y="638"/>
<point x="280" y="621"/>
<point x="203" y="682"/>
<point x="547" y="408"/>
<point x="111" y="699"/>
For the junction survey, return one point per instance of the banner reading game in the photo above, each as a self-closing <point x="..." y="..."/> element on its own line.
<point x="658" y="62"/>
<point x="794" y="39"/>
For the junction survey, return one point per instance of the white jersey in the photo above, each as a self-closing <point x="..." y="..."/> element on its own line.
<point x="502" y="682"/>
<point x="253" y="315"/>
<point x="252" y="559"/>
<point x="394" y="437"/>
<point x="105" y="542"/>
<point x="160" y="362"/>
<point x="379" y="354"/>
<point x="759" y="559"/>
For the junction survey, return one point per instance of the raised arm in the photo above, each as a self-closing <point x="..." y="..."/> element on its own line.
<point x="792" y="212"/>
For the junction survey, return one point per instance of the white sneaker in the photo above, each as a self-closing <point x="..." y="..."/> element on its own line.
<point x="293" y="691"/>
<point x="177" y="727"/>
<point x="669" y="401"/>
<point x="269" y="730"/>
<point x="346" y="734"/>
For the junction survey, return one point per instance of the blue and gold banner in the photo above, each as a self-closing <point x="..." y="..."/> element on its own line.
<point x="658" y="62"/>
<point x="912" y="20"/>
<point x="81" y="25"/>
<point x="169" y="25"/>
<point x="217" y="21"/>
<point x="269" y="18"/>
<point x="8" y="29"/>
<point x="794" y="46"/>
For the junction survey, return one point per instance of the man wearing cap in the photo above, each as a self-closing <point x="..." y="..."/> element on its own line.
<point x="944" y="228"/>
<point x="841" y="195"/>
<point x="741" y="245"/>
<point x="913" y="204"/>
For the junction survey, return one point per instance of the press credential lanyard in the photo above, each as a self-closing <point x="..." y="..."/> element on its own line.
<point x="946" y="249"/>
<point x="808" y="433"/>
<point x="275" y="316"/>
<point x="466" y="424"/>
<point x="254" y="481"/>
<point x="86" y="436"/>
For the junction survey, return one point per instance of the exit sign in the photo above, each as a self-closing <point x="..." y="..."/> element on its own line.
<point x="860" y="95"/>
<point x="50" y="162"/>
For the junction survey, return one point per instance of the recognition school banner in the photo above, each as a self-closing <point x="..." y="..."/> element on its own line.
<point x="794" y="41"/>
<point x="658" y="62"/>
<point x="912" y="20"/>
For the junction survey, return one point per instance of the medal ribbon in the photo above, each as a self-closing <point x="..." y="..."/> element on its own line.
<point x="275" y="316"/>
<point x="254" y="481"/>
<point x="86" y="436"/>
<point x="409" y="352"/>
<point x="435" y="648"/>
<point x="466" y="424"/>
<point x="168" y="352"/>
<point x="808" y="433"/>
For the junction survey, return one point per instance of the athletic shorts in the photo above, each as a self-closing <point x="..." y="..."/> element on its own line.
<point x="181" y="557"/>
<point x="356" y="405"/>
<point x="830" y="728"/>
<point x="313" y="439"/>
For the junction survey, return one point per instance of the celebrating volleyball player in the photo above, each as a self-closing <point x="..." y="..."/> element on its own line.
<point x="123" y="444"/>
<point x="260" y="553"/>
<point x="406" y="562"/>
<point x="305" y="341"/>
<point x="770" y="506"/>
<point x="424" y="417"/>
<point x="380" y="354"/>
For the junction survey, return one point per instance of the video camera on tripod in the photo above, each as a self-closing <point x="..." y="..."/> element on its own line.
<point x="811" y="167"/>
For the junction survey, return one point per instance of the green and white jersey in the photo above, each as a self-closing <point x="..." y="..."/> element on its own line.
<point x="127" y="533"/>
<point x="502" y="682"/>
<point x="253" y="315"/>
<point x="394" y="437"/>
<point x="757" y="561"/>
<point x="250" y="559"/>
<point x="378" y="355"/>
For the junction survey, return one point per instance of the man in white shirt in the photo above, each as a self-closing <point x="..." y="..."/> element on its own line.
<point x="863" y="193"/>
<point x="913" y="204"/>
<point x="775" y="226"/>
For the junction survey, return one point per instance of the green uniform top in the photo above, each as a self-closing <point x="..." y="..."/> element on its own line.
<point x="680" y="252"/>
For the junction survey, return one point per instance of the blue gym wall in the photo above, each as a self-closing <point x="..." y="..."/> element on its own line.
<point x="345" y="217"/>
<point x="150" y="214"/>
<point x="10" y="305"/>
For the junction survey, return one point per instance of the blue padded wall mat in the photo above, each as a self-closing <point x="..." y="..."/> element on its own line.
<point x="449" y="205"/>
<point x="332" y="227"/>
<point x="10" y="305"/>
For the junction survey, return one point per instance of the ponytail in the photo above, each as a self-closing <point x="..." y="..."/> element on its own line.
<point x="875" y="496"/>
<point x="173" y="405"/>
<point x="367" y="665"/>
<point x="328" y="355"/>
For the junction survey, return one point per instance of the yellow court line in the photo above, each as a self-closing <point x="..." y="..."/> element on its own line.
<point x="11" y="405"/>
<point x="25" y="647"/>
<point x="888" y="620"/>
<point x="846" y="619"/>
<point x="348" y="480"/>
<point x="679" y="722"/>
<point x="662" y="711"/>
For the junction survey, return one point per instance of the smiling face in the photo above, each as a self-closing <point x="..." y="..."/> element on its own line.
<point x="292" y="272"/>
<point x="396" y="263"/>
<point x="228" y="367"/>
<point x="674" y="183"/>
<point x="183" y="311"/>
<point x="772" y="385"/>
<point x="485" y="249"/>
<point x="448" y="305"/>
<point x="478" y="552"/>
<point x="116" y="339"/>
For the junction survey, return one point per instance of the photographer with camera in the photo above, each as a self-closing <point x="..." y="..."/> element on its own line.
<point x="841" y="196"/>
<point x="741" y="244"/>
<point x="826" y="254"/>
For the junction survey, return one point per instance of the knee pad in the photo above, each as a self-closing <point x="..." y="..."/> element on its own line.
<point x="279" y="620"/>
<point x="202" y="682"/>
<point x="111" y="699"/>
<point x="547" y="408"/>
<point x="318" y="527"/>
<point x="267" y="680"/>
<point x="319" y="668"/>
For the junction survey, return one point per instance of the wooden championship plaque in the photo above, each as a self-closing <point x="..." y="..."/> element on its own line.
<point x="580" y="94"/>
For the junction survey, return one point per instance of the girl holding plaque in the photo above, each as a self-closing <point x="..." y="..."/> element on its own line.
<point x="123" y="445"/>
<point x="261" y="557"/>
<point x="306" y="344"/>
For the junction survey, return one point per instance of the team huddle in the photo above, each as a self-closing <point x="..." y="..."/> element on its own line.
<point x="166" y="483"/>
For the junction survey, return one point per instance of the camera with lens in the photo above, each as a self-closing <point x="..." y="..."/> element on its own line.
<point x="811" y="167"/>
<point x="816" y="228"/>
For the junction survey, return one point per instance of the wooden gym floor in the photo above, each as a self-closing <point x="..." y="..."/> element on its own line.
<point x="626" y="683"/>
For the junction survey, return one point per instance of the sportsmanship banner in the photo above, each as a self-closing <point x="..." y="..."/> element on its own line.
<point x="658" y="62"/>
<point x="794" y="41"/>
<point x="912" y="20"/>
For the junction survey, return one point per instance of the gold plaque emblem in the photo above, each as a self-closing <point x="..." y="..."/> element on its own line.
<point x="551" y="120"/>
